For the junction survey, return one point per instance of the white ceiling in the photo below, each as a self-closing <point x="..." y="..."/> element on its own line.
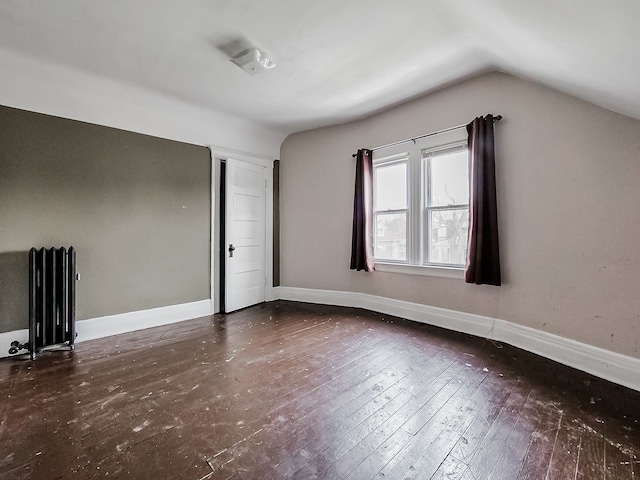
<point x="337" y="59"/>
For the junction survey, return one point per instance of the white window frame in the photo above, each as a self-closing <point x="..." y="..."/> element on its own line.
<point x="416" y="211"/>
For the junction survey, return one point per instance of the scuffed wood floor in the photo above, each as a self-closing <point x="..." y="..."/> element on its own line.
<point x="289" y="390"/>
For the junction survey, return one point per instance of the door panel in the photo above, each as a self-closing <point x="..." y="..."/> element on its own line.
<point x="245" y="234"/>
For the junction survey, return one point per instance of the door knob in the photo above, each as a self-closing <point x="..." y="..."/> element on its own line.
<point x="231" y="250"/>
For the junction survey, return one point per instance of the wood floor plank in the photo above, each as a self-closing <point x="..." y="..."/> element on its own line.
<point x="289" y="412"/>
<point x="439" y="450"/>
<point x="291" y="390"/>
<point x="350" y="382"/>
<point x="432" y="443"/>
<point x="328" y="448"/>
<point x="619" y="460"/>
<point x="508" y="461"/>
<point x="541" y="443"/>
<point x="495" y="442"/>
<point x="566" y="447"/>
<point x="451" y="469"/>
<point x="427" y="382"/>
<point x="371" y="455"/>
<point x="591" y="461"/>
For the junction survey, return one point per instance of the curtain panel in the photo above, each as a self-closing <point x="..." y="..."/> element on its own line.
<point x="362" y="234"/>
<point x="483" y="254"/>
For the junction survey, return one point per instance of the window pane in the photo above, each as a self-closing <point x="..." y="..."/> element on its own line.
<point x="449" y="182"/>
<point x="391" y="236"/>
<point x="448" y="236"/>
<point x="390" y="188"/>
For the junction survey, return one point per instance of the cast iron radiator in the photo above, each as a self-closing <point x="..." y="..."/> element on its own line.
<point x="52" y="300"/>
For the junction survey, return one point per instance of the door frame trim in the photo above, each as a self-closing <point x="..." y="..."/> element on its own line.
<point x="219" y="154"/>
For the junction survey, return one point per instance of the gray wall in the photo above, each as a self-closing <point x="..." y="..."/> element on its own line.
<point x="136" y="208"/>
<point x="569" y="210"/>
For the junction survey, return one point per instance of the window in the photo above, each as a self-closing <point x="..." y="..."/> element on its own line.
<point x="421" y="203"/>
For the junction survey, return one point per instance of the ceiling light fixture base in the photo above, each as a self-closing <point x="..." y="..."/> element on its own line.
<point x="253" y="61"/>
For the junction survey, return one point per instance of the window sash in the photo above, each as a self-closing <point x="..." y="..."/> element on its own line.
<point x="383" y="163"/>
<point x="386" y="163"/>
<point x="428" y="208"/>
<point x="428" y="239"/>
<point x="378" y="240"/>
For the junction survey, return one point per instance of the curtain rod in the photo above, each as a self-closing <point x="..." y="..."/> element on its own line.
<point x="497" y="118"/>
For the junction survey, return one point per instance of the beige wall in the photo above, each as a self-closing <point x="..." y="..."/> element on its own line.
<point x="569" y="210"/>
<point x="136" y="208"/>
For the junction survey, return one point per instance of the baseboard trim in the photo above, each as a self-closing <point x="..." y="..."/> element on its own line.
<point x="617" y="368"/>
<point x="100" y="327"/>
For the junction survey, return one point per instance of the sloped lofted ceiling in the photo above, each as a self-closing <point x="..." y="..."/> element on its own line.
<point x="338" y="60"/>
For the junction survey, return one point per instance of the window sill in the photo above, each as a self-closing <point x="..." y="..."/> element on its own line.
<point x="425" y="270"/>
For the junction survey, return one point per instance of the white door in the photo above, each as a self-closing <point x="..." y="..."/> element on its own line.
<point x="245" y="272"/>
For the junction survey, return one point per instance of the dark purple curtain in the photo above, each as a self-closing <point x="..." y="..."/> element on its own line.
<point x="483" y="255"/>
<point x="362" y="235"/>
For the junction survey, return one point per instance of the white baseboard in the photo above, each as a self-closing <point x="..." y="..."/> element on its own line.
<point x="603" y="363"/>
<point x="617" y="368"/>
<point x="121" y="323"/>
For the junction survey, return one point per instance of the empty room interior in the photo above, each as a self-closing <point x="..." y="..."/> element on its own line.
<point x="288" y="239"/>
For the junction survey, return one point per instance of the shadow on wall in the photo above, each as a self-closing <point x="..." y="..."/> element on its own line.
<point x="14" y="291"/>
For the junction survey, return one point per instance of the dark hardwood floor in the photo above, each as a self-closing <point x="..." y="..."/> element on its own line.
<point x="295" y="391"/>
